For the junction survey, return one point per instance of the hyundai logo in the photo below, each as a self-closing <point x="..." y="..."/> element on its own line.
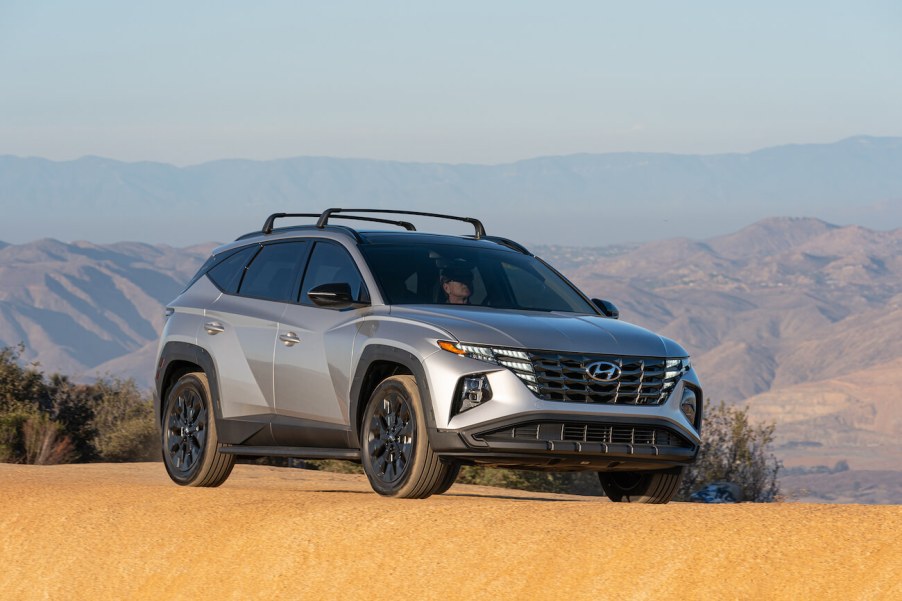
<point x="603" y="371"/>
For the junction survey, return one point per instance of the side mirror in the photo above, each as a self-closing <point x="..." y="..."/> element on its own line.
<point x="607" y="308"/>
<point x="332" y="296"/>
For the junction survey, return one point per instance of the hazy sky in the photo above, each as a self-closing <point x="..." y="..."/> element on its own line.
<point x="186" y="82"/>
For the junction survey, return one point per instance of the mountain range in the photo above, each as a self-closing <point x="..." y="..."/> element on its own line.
<point x="798" y="319"/>
<point x="597" y="199"/>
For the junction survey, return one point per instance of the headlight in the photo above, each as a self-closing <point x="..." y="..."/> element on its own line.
<point x="675" y="368"/>
<point x="514" y="360"/>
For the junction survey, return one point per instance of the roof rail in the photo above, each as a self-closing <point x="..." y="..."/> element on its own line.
<point x="268" y="226"/>
<point x="510" y="244"/>
<point x="328" y="213"/>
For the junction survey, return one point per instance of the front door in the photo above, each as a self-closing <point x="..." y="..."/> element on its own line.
<point x="313" y="356"/>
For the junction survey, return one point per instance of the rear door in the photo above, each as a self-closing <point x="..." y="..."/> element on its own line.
<point x="241" y="326"/>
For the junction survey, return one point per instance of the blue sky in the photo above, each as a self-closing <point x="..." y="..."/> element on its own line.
<point x="187" y="82"/>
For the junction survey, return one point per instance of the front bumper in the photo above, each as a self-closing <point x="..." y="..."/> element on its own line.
<point x="518" y="429"/>
<point x="553" y="441"/>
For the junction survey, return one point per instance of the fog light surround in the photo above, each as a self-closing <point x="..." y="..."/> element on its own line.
<point x="472" y="391"/>
<point x="689" y="404"/>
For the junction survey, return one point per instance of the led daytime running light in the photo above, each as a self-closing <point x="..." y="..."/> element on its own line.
<point x="514" y="360"/>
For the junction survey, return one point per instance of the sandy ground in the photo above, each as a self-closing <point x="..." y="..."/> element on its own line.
<point x="126" y="532"/>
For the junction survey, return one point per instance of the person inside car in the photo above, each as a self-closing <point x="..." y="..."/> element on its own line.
<point x="457" y="283"/>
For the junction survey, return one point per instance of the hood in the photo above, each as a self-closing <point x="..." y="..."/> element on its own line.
<point x="566" y="332"/>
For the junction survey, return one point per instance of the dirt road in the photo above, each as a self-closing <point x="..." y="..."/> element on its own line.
<point x="126" y="532"/>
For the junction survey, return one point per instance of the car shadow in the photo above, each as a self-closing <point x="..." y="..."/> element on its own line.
<point x="513" y="498"/>
<point x="472" y="495"/>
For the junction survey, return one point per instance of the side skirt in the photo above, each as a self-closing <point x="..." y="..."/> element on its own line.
<point x="296" y="452"/>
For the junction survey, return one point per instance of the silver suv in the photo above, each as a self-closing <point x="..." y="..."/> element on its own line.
<point x="413" y="354"/>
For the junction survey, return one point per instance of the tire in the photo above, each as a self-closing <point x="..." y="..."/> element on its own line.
<point x="641" y="487"/>
<point x="450" y="478"/>
<point x="396" y="455"/>
<point x="190" y="444"/>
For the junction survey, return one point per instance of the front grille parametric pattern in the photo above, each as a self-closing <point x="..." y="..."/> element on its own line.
<point x="588" y="433"/>
<point x="643" y="380"/>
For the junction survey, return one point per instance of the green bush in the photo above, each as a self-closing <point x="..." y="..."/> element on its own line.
<point x="123" y="421"/>
<point x="12" y="423"/>
<point x="574" y="483"/>
<point x="734" y="450"/>
<point x="18" y="384"/>
<point x="56" y="421"/>
<point x="136" y="439"/>
<point x="73" y="409"/>
<point x="44" y="442"/>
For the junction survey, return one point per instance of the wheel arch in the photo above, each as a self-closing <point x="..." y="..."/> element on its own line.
<point x="177" y="359"/>
<point x="376" y="363"/>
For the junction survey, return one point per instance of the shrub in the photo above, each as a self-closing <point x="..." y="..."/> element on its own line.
<point x="18" y="384"/>
<point x="124" y="423"/>
<point x="734" y="450"/>
<point x="44" y="441"/>
<point x="574" y="483"/>
<point x="135" y="439"/>
<point x="12" y="422"/>
<point x="55" y="420"/>
<point x="73" y="409"/>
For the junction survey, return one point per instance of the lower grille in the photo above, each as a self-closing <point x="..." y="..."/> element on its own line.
<point x="587" y="433"/>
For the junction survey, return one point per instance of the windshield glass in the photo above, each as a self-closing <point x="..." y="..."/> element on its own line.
<point x="427" y="273"/>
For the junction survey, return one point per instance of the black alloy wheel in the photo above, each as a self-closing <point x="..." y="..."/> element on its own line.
<point x="186" y="431"/>
<point x="190" y="444"/>
<point x="396" y="454"/>
<point x="390" y="437"/>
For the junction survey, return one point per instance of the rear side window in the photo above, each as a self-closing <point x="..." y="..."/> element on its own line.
<point x="274" y="271"/>
<point x="331" y="264"/>
<point x="227" y="274"/>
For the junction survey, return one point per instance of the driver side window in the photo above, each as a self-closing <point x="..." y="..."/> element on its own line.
<point x="331" y="264"/>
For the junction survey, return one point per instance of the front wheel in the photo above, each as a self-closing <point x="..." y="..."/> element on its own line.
<point x="190" y="444"/>
<point x="397" y="457"/>
<point x="641" y="487"/>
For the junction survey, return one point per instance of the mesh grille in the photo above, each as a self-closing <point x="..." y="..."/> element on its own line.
<point x="643" y="380"/>
<point x="588" y="432"/>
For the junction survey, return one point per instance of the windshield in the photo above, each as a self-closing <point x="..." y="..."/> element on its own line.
<point x="426" y="274"/>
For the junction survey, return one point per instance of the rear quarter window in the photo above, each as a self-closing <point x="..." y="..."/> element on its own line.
<point x="226" y="274"/>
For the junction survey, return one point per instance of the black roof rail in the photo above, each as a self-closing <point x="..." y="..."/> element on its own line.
<point x="324" y="218"/>
<point x="268" y="226"/>
<point x="510" y="244"/>
<point x="309" y="227"/>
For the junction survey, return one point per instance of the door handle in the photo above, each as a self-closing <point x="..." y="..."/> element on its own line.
<point x="213" y="328"/>
<point x="290" y="339"/>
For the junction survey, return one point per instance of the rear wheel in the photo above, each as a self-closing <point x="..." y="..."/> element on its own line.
<point x="190" y="444"/>
<point x="641" y="487"/>
<point x="397" y="457"/>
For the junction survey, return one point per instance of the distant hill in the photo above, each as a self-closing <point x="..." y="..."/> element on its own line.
<point x="83" y="308"/>
<point x="597" y="199"/>
<point x="798" y="318"/>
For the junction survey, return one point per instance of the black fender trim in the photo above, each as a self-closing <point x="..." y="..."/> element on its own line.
<point x="380" y="352"/>
<point x="231" y="431"/>
<point x="184" y="351"/>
